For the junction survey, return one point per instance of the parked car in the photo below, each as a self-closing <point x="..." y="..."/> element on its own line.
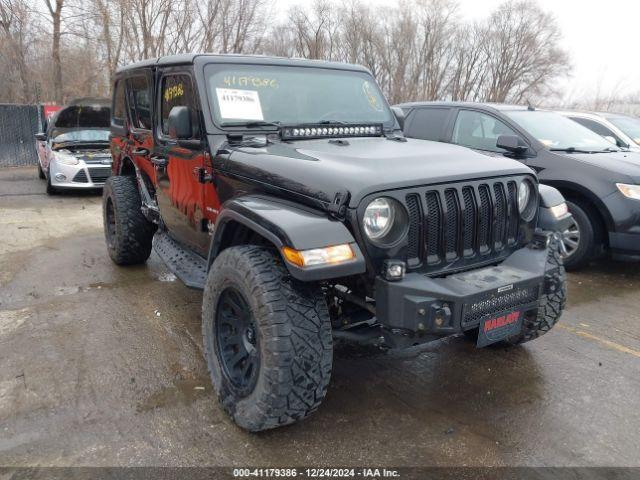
<point x="599" y="181"/>
<point x="285" y="189"/>
<point x="73" y="151"/>
<point x="608" y="126"/>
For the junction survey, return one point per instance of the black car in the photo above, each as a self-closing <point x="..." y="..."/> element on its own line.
<point x="600" y="181"/>
<point x="286" y="191"/>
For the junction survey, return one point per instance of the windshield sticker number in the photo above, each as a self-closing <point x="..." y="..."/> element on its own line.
<point x="239" y="104"/>
<point x="372" y="98"/>
<point x="256" y="82"/>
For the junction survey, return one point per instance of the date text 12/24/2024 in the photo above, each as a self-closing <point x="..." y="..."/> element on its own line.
<point x="315" y="473"/>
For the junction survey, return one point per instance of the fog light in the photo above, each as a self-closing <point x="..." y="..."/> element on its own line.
<point x="60" y="177"/>
<point x="393" y="270"/>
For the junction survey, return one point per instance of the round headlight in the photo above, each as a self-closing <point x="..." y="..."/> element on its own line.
<point x="524" y="194"/>
<point x="378" y="218"/>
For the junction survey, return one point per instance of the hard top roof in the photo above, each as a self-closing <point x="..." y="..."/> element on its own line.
<point x="191" y="58"/>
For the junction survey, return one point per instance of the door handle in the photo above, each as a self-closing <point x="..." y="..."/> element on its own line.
<point x="140" y="151"/>
<point x="159" y="161"/>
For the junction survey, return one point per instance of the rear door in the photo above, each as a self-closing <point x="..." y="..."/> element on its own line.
<point x="430" y="123"/>
<point x="139" y="95"/>
<point x="179" y="192"/>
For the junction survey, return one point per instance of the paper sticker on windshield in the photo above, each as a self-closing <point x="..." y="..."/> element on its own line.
<point x="239" y="104"/>
<point x="372" y="97"/>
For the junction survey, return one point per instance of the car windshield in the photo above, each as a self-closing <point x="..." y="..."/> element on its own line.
<point x="82" y="136"/>
<point x="294" y="95"/>
<point x="557" y="132"/>
<point x="630" y="126"/>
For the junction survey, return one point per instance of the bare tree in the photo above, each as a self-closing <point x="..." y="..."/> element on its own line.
<point x="522" y="52"/>
<point x="15" y="35"/>
<point x="55" y="10"/>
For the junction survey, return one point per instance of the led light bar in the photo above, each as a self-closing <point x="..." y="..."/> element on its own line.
<point x="328" y="131"/>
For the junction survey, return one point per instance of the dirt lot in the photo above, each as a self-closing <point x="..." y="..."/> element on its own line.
<point x="101" y="365"/>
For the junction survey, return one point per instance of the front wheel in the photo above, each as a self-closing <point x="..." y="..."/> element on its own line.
<point x="580" y="238"/>
<point x="267" y="339"/>
<point x="551" y="304"/>
<point x="41" y="174"/>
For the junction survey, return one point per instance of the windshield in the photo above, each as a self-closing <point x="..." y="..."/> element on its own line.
<point x="294" y="95"/>
<point x="82" y="136"/>
<point x="630" y="126"/>
<point x="559" y="133"/>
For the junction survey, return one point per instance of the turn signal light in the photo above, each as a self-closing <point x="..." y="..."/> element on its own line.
<point x="319" y="256"/>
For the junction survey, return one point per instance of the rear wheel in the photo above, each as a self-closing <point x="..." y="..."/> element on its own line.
<point x="580" y="238"/>
<point x="127" y="231"/>
<point x="267" y="339"/>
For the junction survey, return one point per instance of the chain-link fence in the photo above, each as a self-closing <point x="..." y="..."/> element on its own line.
<point x="18" y="125"/>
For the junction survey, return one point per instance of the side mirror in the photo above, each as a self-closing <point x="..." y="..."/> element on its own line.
<point x="41" y="136"/>
<point x="399" y="113"/>
<point x="179" y="123"/>
<point x="512" y="144"/>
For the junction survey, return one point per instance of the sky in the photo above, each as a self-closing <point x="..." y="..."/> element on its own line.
<point x="600" y="36"/>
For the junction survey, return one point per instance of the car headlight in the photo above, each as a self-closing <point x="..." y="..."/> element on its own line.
<point x="629" y="191"/>
<point x="65" y="158"/>
<point x="385" y="220"/>
<point x="378" y="218"/>
<point x="524" y="194"/>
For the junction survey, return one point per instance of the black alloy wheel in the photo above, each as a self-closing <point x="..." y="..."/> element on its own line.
<point x="238" y="343"/>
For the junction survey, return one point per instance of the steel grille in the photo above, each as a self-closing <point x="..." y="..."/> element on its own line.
<point x="452" y="223"/>
<point x="99" y="175"/>
<point x="501" y="215"/>
<point x="415" y="228"/>
<point x="469" y="225"/>
<point x="81" y="177"/>
<point x="461" y="222"/>
<point x="485" y="217"/>
<point x="512" y="230"/>
<point x="433" y="227"/>
<point x="494" y="305"/>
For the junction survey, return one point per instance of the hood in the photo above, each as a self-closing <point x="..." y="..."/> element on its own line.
<point x="319" y="168"/>
<point x="620" y="163"/>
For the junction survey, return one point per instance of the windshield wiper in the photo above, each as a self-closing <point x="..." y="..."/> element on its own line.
<point x="251" y="124"/>
<point x="570" y="150"/>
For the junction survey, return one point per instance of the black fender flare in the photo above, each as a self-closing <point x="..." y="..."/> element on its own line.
<point x="551" y="197"/>
<point x="286" y="224"/>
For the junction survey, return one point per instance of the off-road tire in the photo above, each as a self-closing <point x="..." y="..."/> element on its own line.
<point x="41" y="174"/>
<point x="130" y="243"/>
<point x="294" y="338"/>
<point x="551" y="304"/>
<point x="589" y="234"/>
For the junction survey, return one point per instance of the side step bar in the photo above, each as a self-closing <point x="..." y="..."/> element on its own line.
<point x="189" y="267"/>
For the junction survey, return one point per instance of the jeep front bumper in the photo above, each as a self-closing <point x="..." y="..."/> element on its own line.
<point x="442" y="306"/>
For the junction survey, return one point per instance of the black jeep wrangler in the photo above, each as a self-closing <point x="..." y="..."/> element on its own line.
<point x="286" y="190"/>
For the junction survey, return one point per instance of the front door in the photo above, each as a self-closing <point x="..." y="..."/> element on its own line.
<point x="179" y="192"/>
<point x="480" y="131"/>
